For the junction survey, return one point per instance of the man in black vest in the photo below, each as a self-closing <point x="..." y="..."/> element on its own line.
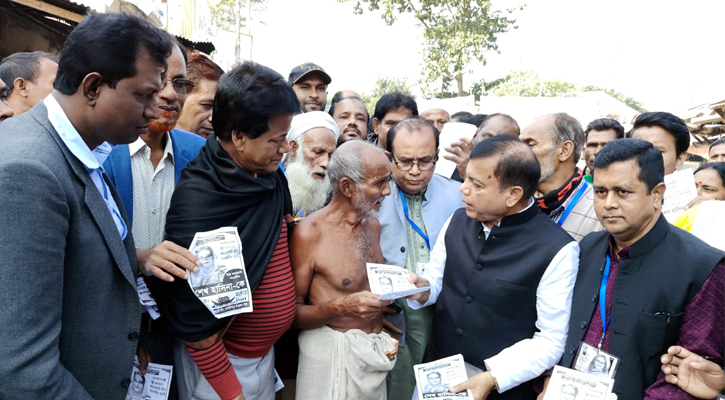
<point x="662" y="286"/>
<point x="501" y="277"/>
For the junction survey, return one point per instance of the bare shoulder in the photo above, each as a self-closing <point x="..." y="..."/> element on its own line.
<point x="308" y="229"/>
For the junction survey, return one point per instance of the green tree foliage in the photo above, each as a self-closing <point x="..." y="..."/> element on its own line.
<point x="528" y="84"/>
<point x="619" y="96"/>
<point x="383" y="86"/>
<point x="456" y="32"/>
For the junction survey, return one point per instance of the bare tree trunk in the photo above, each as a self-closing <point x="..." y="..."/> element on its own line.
<point x="443" y="87"/>
<point x="459" y="81"/>
<point x="238" y="44"/>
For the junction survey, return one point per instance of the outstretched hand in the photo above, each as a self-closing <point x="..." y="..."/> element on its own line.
<point x="481" y="385"/>
<point x="364" y="305"/>
<point x="418" y="282"/>
<point x="459" y="153"/>
<point x="165" y="259"/>
<point x="693" y="374"/>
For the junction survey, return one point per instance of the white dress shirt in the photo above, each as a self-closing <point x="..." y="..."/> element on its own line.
<point x="152" y="190"/>
<point x="528" y="358"/>
<point x="92" y="160"/>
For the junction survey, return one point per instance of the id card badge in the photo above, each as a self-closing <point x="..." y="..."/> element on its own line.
<point x="591" y="360"/>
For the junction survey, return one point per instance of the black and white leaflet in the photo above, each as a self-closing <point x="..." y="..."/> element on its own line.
<point x="146" y="299"/>
<point x="593" y="361"/>
<point x="681" y="190"/>
<point x="568" y="384"/>
<point x="434" y="379"/>
<point x="221" y="282"/>
<point x="391" y="282"/>
<point x="152" y="386"/>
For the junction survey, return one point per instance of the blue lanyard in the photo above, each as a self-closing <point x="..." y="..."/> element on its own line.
<point x="412" y="224"/>
<point x="282" y="168"/>
<point x="573" y="202"/>
<point x="603" y="302"/>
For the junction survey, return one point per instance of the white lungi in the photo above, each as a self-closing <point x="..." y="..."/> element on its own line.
<point x="348" y="365"/>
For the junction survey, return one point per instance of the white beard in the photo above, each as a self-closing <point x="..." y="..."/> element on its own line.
<point x="309" y="194"/>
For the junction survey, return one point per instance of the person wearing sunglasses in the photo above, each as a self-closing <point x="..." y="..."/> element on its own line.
<point x="411" y="219"/>
<point x="145" y="173"/>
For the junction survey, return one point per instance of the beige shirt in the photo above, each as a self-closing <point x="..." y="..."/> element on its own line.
<point x="152" y="190"/>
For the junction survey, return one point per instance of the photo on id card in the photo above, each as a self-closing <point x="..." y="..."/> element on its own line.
<point x="593" y="361"/>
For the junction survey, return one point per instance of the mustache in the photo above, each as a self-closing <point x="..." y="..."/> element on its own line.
<point x="353" y="128"/>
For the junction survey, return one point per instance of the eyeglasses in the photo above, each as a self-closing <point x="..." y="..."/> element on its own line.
<point x="423" y="165"/>
<point x="182" y="86"/>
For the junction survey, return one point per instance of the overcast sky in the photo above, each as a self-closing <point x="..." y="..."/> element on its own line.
<point x="665" y="53"/>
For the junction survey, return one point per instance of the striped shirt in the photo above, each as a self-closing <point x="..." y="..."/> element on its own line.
<point x="252" y="335"/>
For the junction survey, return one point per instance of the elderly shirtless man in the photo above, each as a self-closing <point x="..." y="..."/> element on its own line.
<point x="344" y="354"/>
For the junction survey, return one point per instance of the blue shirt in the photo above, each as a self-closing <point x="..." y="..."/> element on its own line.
<point x="92" y="160"/>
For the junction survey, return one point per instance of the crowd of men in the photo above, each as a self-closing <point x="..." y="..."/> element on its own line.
<point x="120" y="150"/>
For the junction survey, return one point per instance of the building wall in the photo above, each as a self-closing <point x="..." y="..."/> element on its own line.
<point x="17" y="33"/>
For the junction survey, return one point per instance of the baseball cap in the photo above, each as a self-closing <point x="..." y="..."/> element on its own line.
<point x="303" y="69"/>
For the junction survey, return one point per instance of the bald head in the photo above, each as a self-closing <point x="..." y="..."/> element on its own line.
<point x="355" y="160"/>
<point x="494" y="125"/>
<point x="359" y="173"/>
<point x="349" y="93"/>
<point x="437" y="117"/>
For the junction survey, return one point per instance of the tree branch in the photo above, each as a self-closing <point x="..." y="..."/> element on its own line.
<point x="416" y="14"/>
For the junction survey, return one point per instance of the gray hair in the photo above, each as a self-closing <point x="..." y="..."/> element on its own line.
<point x="348" y="161"/>
<point x="567" y="128"/>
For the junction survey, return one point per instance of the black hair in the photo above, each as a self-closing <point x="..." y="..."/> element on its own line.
<point x="517" y="165"/>
<point x="334" y="103"/>
<point x="247" y="97"/>
<point x="108" y="44"/>
<point x="717" y="166"/>
<point x="411" y="124"/>
<point x="670" y="123"/>
<point x="713" y="144"/>
<point x="506" y="116"/>
<point x="475" y="120"/>
<point x="605" y="124"/>
<point x="649" y="159"/>
<point x="25" y="65"/>
<point x="461" y="116"/>
<point x="394" y="101"/>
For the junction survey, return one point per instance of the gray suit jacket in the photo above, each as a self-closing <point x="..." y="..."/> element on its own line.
<point x="69" y="310"/>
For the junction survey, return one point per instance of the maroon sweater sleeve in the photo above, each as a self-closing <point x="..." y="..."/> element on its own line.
<point x="702" y="330"/>
<point x="217" y="369"/>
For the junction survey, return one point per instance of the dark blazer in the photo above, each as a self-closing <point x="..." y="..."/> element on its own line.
<point x="69" y="310"/>
<point x="186" y="147"/>
<point x="665" y="269"/>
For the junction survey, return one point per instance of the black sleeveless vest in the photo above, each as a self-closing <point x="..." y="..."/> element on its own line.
<point x="488" y="299"/>
<point x="665" y="270"/>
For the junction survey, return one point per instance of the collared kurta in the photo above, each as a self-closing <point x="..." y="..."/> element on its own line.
<point x="401" y="379"/>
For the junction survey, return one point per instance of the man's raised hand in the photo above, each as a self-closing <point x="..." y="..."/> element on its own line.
<point x="421" y="297"/>
<point x="165" y="259"/>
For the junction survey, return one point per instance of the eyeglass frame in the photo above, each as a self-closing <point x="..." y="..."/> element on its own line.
<point x="412" y="163"/>
<point x="185" y="82"/>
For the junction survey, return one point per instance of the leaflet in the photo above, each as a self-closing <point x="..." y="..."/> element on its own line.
<point x="709" y="222"/>
<point x="434" y="379"/>
<point x="452" y="132"/>
<point x="391" y="282"/>
<point x="567" y="384"/>
<point x="221" y="282"/>
<point x="152" y="386"/>
<point x="146" y="299"/>
<point x="680" y="191"/>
